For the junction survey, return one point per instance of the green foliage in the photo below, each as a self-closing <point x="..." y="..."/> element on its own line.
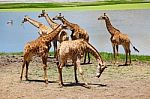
<point x="11" y="53"/>
<point x="105" y="55"/>
<point x="109" y="56"/>
<point x="69" y="4"/>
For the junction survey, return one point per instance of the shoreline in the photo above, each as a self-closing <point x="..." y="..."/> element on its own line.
<point x="33" y="7"/>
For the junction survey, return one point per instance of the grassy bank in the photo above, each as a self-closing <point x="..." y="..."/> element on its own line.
<point x="115" y="5"/>
<point x="106" y="56"/>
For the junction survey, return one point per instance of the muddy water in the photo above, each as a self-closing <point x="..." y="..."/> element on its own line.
<point x="135" y="23"/>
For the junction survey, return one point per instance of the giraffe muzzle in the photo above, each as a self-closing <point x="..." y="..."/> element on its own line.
<point x="102" y="69"/>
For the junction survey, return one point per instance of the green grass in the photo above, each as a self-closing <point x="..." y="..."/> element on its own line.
<point x="11" y="53"/>
<point x="114" y="5"/>
<point x="106" y="56"/>
<point x="109" y="56"/>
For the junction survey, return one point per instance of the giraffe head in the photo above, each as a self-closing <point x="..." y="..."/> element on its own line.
<point x="43" y="14"/>
<point x="103" y="17"/>
<point x="25" y="19"/>
<point x="100" y="68"/>
<point x="63" y="36"/>
<point x="58" y="17"/>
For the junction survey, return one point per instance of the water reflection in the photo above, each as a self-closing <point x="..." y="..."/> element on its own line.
<point x="135" y="23"/>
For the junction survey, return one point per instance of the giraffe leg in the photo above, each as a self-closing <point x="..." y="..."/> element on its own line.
<point x="60" y="73"/>
<point x="126" y="62"/>
<point x="75" y="72"/>
<point x="114" y="54"/>
<point x="117" y="47"/>
<point x="130" y="56"/>
<point x="88" y="57"/>
<point x="129" y="51"/>
<point x="44" y="59"/>
<point x="24" y="63"/>
<point x="80" y="70"/>
<point x="27" y="65"/>
<point x="55" y="47"/>
<point x="85" y="57"/>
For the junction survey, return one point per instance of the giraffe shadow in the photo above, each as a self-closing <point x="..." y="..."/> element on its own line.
<point x="85" y="63"/>
<point x="123" y="65"/>
<point x="70" y="84"/>
<point x="68" y="65"/>
<point x="98" y="85"/>
<point x="43" y="81"/>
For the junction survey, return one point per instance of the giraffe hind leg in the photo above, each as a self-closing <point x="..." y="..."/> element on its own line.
<point x="114" y="54"/>
<point x="27" y="65"/>
<point x="88" y="57"/>
<point x="24" y="63"/>
<point x="75" y="72"/>
<point x="117" y="48"/>
<point x="85" y="58"/>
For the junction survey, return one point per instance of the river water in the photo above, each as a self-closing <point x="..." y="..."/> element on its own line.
<point x="135" y="23"/>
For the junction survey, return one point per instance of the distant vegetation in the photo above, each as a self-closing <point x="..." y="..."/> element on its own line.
<point x="106" y="56"/>
<point x="69" y="4"/>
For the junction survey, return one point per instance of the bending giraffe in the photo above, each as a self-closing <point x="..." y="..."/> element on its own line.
<point x="39" y="47"/>
<point x="118" y="38"/>
<point x="53" y="25"/>
<point x="75" y="50"/>
<point x="77" y="32"/>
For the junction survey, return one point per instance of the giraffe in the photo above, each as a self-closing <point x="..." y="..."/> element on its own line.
<point x="39" y="47"/>
<point x="75" y="50"/>
<point x="77" y="31"/>
<point x="118" y="38"/>
<point x="53" y="25"/>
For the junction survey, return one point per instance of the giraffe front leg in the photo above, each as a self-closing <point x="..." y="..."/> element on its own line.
<point x="114" y="55"/>
<point x="75" y="72"/>
<point x="81" y="71"/>
<point x="60" y="73"/>
<point x="44" y="59"/>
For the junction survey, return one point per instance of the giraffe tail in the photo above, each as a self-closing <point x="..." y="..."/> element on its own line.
<point x="135" y="48"/>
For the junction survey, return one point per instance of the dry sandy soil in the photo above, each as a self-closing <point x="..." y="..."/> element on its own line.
<point x="124" y="82"/>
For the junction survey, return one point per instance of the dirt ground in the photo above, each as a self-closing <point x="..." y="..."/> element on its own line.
<point x="124" y="82"/>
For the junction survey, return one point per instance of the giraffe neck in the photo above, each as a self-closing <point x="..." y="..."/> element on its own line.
<point x="94" y="52"/>
<point x="67" y="23"/>
<point x="33" y="22"/>
<point x="51" y="22"/>
<point x="109" y="26"/>
<point x="52" y="35"/>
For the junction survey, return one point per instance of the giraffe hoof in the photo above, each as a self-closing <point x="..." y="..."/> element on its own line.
<point x="61" y="85"/>
<point x="46" y="82"/>
<point x="87" y="86"/>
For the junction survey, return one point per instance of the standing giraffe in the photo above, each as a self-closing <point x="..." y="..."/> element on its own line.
<point x="77" y="32"/>
<point x="118" y="38"/>
<point x="53" y="25"/>
<point x="39" y="47"/>
<point x="75" y="50"/>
